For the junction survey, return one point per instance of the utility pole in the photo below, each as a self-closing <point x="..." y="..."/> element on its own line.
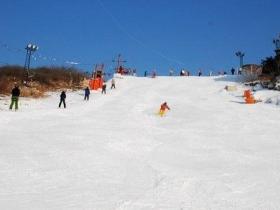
<point x="277" y="51"/>
<point x="240" y="55"/>
<point x="277" y="45"/>
<point x="119" y="62"/>
<point x="30" y="48"/>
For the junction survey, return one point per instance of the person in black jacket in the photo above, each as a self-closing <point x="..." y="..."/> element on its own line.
<point x="62" y="99"/>
<point x="87" y="93"/>
<point x="103" y="88"/>
<point x="113" y="84"/>
<point x="15" y="96"/>
<point x="232" y="71"/>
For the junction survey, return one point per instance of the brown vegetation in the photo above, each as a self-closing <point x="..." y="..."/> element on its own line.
<point x="41" y="80"/>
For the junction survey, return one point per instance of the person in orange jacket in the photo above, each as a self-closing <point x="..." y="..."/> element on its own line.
<point x="163" y="107"/>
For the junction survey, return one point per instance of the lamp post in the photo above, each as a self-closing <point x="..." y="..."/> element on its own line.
<point x="240" y="55"/>
<point x="277" y="51"/>
<point x="277" y="45"/>
<point x="30" y="49"/>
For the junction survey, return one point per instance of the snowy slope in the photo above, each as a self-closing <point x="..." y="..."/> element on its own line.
<point x="210" y="151"/>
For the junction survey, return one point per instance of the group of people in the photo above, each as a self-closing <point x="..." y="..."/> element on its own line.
<point x="153" y="74"/>
<point x="104" y="86"/>
<point x="199" y="73"/>
<point x="87" y="93"/>
<point x="16" y="93"/>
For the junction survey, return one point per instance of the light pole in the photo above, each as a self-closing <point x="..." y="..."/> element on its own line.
<point x="30" y="48"/>
<point x="277" y="45"/>
<point x="277" y="51"/>
<point x="240" y="55"/>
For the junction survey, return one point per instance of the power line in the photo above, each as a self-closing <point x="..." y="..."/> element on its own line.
<point x="132" y="37"/>
<point x="42" y="57"/>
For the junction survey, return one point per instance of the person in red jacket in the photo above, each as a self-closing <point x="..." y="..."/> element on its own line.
<point x="163" y="107"/>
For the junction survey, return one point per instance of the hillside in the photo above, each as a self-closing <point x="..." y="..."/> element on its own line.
<point x="210" y="151"/>
<point x="40" y="80"/>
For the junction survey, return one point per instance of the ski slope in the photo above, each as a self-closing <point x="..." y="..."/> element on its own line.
<point x="113" y="152"/>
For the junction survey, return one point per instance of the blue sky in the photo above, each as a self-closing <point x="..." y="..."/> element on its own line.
<point x="150" y="34"/>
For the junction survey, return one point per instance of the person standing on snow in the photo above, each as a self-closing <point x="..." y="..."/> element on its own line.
<point x="232" y="71"/>
<point x="15" y="96"/>
<point x="154" y="74"/>
<point x="113" y="84"/>
<point x="182" y="72"/>
<point x="87" y="93"/>
<point x="171" y="72"/>
<point x="240" y="71"/>
<point x="162" y="109"/>
<point x="62" y="99"/>
<point x="145" y="73"/>
<point x="104" y="88"/>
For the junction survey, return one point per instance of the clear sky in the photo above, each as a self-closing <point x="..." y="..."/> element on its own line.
<point x="150" y="34"/>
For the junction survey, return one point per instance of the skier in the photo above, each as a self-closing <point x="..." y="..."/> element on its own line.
<point x="199" y="73"/>
<point x="232" y="71"/>
<point x="240" y="71"/>
<point x="121" y="70"/>
<point x="145" y="73"/>
<point x="62" y="99"/>
<point x="113" y="84"/>
<point x="15" y="96"/>
<point x="162" y="109"/>
<point x="103" y="88"/>
<point x="134" y="72"/>
<point x="182" y="72"/>
<point x="154" y="74"/>
<point x="171" y="72"/>
<point x="87" y="93"/>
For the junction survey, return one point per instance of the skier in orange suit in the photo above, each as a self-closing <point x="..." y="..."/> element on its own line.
<point x="163" y="107"/>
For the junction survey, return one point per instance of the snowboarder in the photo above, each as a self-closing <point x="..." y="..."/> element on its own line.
<point x="87" y="93"/>
<point x="15" y="96"/>
<point x="103" y="88"/>
<point x="113" y="84"/>
<point x="62" y="99"/>
<point x="162" y="109"/>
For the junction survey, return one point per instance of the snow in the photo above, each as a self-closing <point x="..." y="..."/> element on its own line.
<point x="210" y="151"/>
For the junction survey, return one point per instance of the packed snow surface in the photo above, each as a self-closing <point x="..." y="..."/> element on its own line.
<point x="210" y="151"/>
